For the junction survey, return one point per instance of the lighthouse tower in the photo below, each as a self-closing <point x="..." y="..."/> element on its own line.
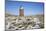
<point x="21" y="11"/>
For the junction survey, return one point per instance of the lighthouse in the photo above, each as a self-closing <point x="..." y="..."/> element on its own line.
<point x="21" y="11"/>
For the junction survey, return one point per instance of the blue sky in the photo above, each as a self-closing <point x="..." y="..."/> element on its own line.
<point x="30" y="8"/>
